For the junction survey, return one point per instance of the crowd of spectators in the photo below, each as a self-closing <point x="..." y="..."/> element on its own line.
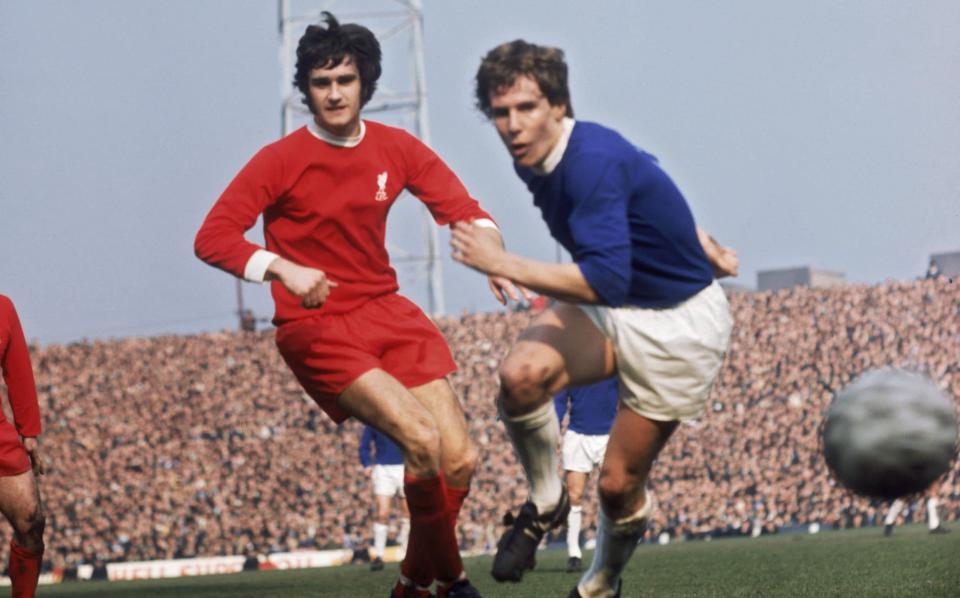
<point x="183" y="446"/>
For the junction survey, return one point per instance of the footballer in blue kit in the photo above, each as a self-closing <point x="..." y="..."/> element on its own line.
<point x="639" y="301"/>
<point x="591" y="409"/>
<point x="382" y="460"/>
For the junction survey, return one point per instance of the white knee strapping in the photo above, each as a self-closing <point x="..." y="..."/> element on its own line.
<point x="616" y="541"/>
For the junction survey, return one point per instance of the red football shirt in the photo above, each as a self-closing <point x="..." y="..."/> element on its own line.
<point x="325" y="206"/>
<point x="17" y="372"/>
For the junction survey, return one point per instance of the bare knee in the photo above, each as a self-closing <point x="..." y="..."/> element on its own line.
<point x="421" y="446"/>
<point x="620" y="493"/>
<point x="382" y="511"/>
<point x="28" y="529"/>
<point x="523" y="386"/>
<point x="459" y="469"/>
<point x="576" y="495"/>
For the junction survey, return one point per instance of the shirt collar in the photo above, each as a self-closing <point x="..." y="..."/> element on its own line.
<point x="322" y="134"/>
<point x="553" y="158"/>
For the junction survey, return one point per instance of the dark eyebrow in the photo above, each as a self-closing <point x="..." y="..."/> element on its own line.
<point x="326" y="79"/>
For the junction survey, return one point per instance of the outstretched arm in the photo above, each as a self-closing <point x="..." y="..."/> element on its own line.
<point x="473" y="248"/>
<point x="501" y="286"/>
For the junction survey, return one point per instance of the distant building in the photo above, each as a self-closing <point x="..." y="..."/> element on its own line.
<point x="774" y="280"/>
<point x="944" y="264"/>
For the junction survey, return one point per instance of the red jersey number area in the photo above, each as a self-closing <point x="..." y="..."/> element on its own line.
<point x="329" y="351"/>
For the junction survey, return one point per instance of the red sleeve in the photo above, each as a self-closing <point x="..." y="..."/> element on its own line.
<point x="220" y="241"/>
<point x="430" y="179"/>
<point x="17" y="372"/>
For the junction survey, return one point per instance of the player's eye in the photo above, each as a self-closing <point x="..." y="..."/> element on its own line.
<point x="499" y="112"/>
<point x="320" y="82"/>
<point x="346" y="79"/>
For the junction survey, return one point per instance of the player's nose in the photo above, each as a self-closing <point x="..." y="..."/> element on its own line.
<point x="513" y="122"/>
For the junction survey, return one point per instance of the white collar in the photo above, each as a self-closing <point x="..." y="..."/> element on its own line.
<point x="553" y="158"/>
<point x="322" y="134"/>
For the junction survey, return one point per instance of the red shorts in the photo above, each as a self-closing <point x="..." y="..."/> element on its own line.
<point x="14" y="459"/>
<point x="328" y="352"/>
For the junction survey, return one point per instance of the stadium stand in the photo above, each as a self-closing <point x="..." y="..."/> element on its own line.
<point x="183" y="446"/>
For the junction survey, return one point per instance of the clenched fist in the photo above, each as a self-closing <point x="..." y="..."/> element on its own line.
<point x="310" y="284"/>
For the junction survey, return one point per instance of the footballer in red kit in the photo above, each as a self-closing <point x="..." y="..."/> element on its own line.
<point x="356" y="346"/>
<point x="20" y="461"/>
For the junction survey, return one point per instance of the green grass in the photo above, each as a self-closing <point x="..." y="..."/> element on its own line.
<point x="844" y="563"/>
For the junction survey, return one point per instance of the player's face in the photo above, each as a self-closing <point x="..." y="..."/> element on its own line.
<point x="528" y="125"/>
<point x="335" y="97"/>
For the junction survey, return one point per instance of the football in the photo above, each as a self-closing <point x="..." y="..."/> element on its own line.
<point x="889" y="433"/>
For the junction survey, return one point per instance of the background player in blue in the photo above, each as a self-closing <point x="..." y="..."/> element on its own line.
<point x="385" y="468"/>
<point x="592" y="409"/>
<point x="639" y="300"/>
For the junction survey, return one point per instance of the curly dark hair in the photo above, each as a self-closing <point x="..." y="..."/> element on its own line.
<point x="502" y="65"/>
<point x="328" y="47"/>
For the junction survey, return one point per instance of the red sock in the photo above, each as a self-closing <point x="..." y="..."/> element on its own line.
<point x="24" y="570"/>
<point x="432" y="551"/>
<point x="455" y="498"/>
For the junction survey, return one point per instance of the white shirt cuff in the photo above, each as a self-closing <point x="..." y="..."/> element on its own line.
<point x="256" y="269"/>
<point x="486" y="223"/>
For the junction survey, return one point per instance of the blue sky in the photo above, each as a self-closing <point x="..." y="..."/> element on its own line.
<point x="800" y="133"/>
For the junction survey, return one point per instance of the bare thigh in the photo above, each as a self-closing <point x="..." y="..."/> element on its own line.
<point x="20" y="504"/>
<point x="562" y="347"/>
<point x="380" y="400"/>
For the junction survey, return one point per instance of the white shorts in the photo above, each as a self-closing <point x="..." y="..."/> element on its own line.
<point x="583" y="452"/>
<point x="668" y="358"/>
<point x="388" y="480"/>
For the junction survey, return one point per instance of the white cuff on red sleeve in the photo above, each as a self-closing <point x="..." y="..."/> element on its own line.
<point x="256" y="269"/>
<point x="486" y="223"/>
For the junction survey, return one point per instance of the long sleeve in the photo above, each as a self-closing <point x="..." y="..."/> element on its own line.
<point x="600" y="230"/>
<point x="220" y="241"/>
<point x="560" y="402"/>
<point x="437" y="186"/>
<point x="365" y="441"/>
<point x="17" y="371"/>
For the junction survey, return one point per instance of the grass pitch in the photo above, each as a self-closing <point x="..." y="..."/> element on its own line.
<point x="836" y="563"/>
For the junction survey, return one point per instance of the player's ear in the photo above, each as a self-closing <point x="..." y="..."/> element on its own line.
<point x="558" y="111"/>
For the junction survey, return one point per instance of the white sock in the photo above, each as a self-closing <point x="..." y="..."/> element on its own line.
<point x="379" y="539"/>
<point x="894" y="512"/>
<point x="933" y="518"/>
<point x="535" y="437"/>
<point x="409" y="583"/>
<point x="404" y="534"/>
<point x="574" y="520"/>
<point x="447" y="584"/>
<point x="616" y="541"/>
